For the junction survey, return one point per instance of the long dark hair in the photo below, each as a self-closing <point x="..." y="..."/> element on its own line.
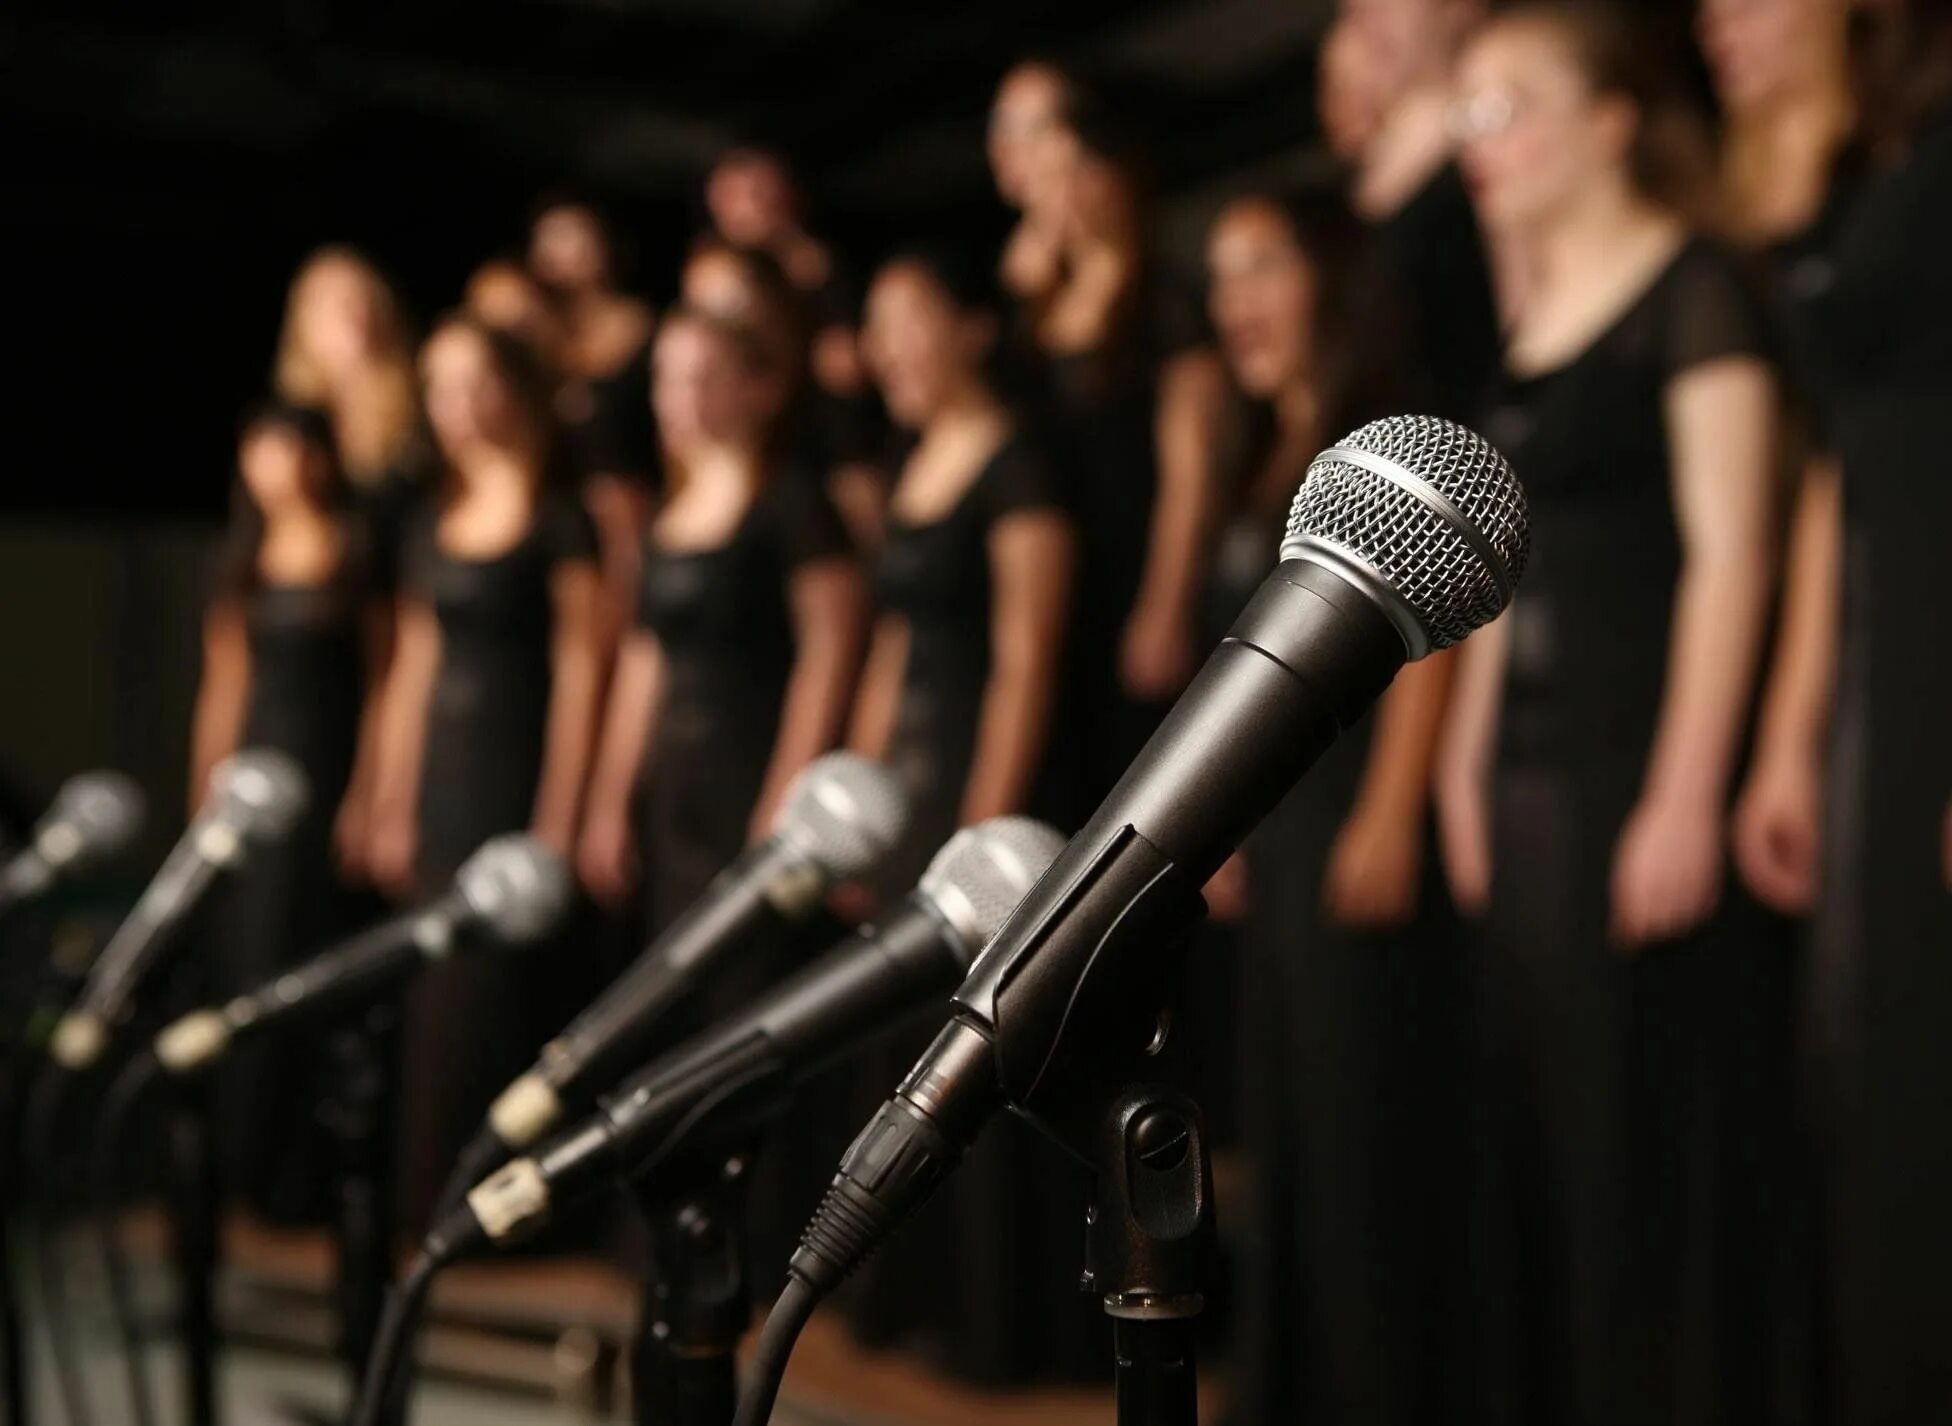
<point x="1904" y="72"/>
<point x="237" y="574"/>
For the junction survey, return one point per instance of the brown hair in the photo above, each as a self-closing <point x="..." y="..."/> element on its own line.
<point x="1904" y="71"/>
<point x="369" y="450"/>
<point x="1615" y="48"/>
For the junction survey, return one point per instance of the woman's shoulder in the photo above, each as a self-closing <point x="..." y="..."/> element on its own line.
<point x="1019" y="475"/>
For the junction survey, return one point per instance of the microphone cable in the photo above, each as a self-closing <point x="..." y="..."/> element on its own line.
<point x="118" y="1103"/>
<point x="40" y="1122"/>
<point x="792" y="1310"/>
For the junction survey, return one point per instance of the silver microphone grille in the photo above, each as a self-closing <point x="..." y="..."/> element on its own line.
<point x="844" y="812"/>
<point x="982" y="872"/>
<point x="518" y="887"/>
<point x="259" y="792"/>
<point x="1423" y="514"/>
<point x="102" y="810"/>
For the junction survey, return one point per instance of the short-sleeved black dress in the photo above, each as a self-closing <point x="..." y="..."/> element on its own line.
<point x="306" y="688"/>
<point x="1881" y="988"/>
<point x="1433" y="254"/>
<point x="1627" y="1216"/>
<point x="984" y="1279"/>
<point x="475" y="1023"/>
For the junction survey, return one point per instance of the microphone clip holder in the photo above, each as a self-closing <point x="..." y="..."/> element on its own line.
<point x="696" y="1301"/>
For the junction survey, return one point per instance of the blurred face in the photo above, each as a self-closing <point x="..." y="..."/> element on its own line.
<point x="1352" y="95"/>
<point x="1262" y="294"/>
<point x="1764" y="50"/>
<point x="718" y="283"/>
<point x="337" y="320"/>
<point x="1535" y="136"/>
<point x="567" y="250"/>
<point x="280" y="471"/>
<point x="1029" y="105"/>
<point x="921" y="348"/>
<point x="469" y="404"/>
<point x="750" y="198"/>
<point x="699" y="389"/>
<point x="503" y="296"/>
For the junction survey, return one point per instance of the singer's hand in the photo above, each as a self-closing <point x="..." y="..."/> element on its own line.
<point x="1227" y="889"/>
<point x="1778" y="832"/>
<point x="1464" y="841"/>
<point x="1156" y="657"/>
<point x="606" y="858"/>
<point x="392" y="850"/>
<point x="352" y="837"/>
<point x="1373" y="868"/>
<point x="1667" y="870"/>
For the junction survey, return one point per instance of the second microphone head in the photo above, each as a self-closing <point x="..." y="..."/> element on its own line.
<point x="259" y="793"/>
<point x="982" y="872"/>
<point x="519" y="888"/>
<point x="845" y="813"/>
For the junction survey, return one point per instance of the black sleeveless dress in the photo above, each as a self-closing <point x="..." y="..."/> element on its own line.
<point x="1353" y="1106"/>
<point x="1881" y="989"/>
<point x="476" y="1022"/>
<point x="1633" y="1110"/>
<point x="723" y="623"/>
<point x="307" y="684"/>
<point x="984" y="1281"/>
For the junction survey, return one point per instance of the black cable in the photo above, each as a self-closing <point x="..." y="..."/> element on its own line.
<point x="394" y="1341"/>
<point x="42" y="1119"/>
<point x="484" y="1153"/>
<point x="123" y="1094"/>
<point x="767" y="1370"/>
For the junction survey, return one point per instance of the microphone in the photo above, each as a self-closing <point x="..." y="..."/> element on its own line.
<point x="255" y="797"/>
<point x="740" y="1073"/>
<point x="514" y="890"/>
<point x="841" y="817"/>
<point x="94" y="815"/>
<point x="1403" y="538"/>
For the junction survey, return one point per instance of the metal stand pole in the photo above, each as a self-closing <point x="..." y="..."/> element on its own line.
<point x="696" y="1301"/>
<point x="360" y="1116"/>
<point x="195" y="1249"/>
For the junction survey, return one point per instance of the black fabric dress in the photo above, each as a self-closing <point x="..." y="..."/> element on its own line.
<point x="985" y="1279"/>
<point x="476" y="1022"/>
<point x="1433" y="254"/>
<point x="1633" y="1105"/>
<point x="608" y="428"/>
<point x="307" y="683"/>
<point x="1353" y="1110"/>
<point x="1881" y="996"/>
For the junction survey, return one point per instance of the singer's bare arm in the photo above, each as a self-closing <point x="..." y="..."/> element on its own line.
<point x="878" y="700"/>
<point x="619" y="508"/>
<point x="1158" y="653"/>
<point x="606" y="854"/>
<point x="1778" y="820"/>
<point x="829" y="603"/>
<point x="575" y="683"/>
<point x="352" y="827"/>
<point x="222" y="694"/>
<point x="1462" y="774"/>
<point x="1031" y="554"/>
<point x="404" y="703"/>
<point x="1721" y="435"/>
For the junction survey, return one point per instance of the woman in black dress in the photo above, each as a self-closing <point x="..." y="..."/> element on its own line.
<point x="973" y="583"/>
<point x="490" y="714"/>
<point x="289" y="640"/>
<point x="1591" y="750"/>
<point x="750" y="623"/>
<point x="1353" y="993"/>
<point x="1849" y="802"/>
<point x="1132" y="399"/>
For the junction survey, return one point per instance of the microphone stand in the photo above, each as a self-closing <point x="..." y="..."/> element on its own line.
<point x="696" y="1300"/>
<point x="360" y="1115"/>
<point x="194" y="1195"/>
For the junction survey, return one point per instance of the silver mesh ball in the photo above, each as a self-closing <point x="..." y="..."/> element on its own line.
<point x="259" y="792"/>
<point x="1429" y="512"/>
<point x="518" y="886"/>
<point x="844" y="812"/>
<point x="982" y="872"/>
<point x="104" y="808"/>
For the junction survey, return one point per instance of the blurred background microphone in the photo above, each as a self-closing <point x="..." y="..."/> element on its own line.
<point x="92" y="818"/>
<point x="841" y="817"/>
<point x="255" y="797"/>
<point x="513" y="892"/>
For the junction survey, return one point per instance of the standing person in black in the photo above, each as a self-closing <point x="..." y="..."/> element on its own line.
<point x="1405" y="183"/>
<point x="1133" y="400"/>
<point x="291" y="637"/>
<point x="1591" y="750"/>
<point x="973" y="583"/>
<point x="490" y="712"/>
<point x="1849" y="800"/>
<point x="1353" y="993"/>
<point x="1029" y="110"/>
<point x="346" y="349"/>
<point x="750" y="623"/>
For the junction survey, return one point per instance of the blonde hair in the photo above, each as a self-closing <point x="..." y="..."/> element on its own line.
<point x="383" y="436"/>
